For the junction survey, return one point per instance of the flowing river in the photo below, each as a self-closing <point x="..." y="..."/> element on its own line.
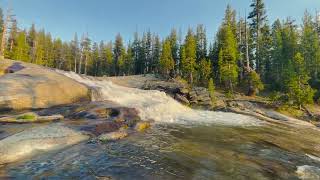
<point x="183" y="144"/>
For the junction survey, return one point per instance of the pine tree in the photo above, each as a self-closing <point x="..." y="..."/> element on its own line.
<point x="174" y="48"/>
<point x="129" y="61"/>
<point x="205" y="71"/>
<point x="166" y="60"/>
<point x="57" y="53"/>
<point x="156" y="53"/>
<point x="211" y="89"/>
<point x="75" y="51"/>
<point x="201" y="39"/>
<point x="109" y="59"/>
<point x="299" y="91"/>
<point x="228" y="53"/>
<point x="258" y="20"/>
<point x="189" y="63"/>
<point x="32" y="42"/>
<point x="21" y="50"/>
<point x="118" y="52"/>
<point x="49" y="61"/>
<point x="39" y="53"/>
<point x="12" y="39"/>
<point x="85" y="52"/>
<point x="96" y="63"/>
<point x="277" y="65"/>
<point x="265" y="54"/>
<point x="254" y="83"/>
<point x="136" y="47"/>
<point x="310" y="46"/>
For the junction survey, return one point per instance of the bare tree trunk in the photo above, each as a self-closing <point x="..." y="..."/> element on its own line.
<point x="75" y="64"/>
<point x="247" y="46"/>
<point x="80" y="64"/>
<point x="86" y="64"/>
<point x="4" y="33"/>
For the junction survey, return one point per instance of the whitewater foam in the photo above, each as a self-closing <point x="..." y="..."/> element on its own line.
<point x="308" y="172"/>
<point x="159" y="107"/>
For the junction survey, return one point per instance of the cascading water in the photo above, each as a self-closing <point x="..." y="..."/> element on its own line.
<point x="158" y="106"/>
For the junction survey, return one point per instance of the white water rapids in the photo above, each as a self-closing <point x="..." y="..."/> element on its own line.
<point x="159" y="107"/>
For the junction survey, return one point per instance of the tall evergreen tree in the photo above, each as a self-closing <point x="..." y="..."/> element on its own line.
<point x="85" y="52"/>
<point x="49" y="61"/>
<point x="12" y="41"/>
<point x="310" y="46"/>
<point x="258" y="20"/>
<point x="75" y="51"/>
<point x="32" y="42"/>
<point x="174" y="48"/>
<point x="156" y="53"/>
<point x="189" y="63"/>
<point x="299" y="91"/>
<point x="118" y="52"/>
<point x="40" y="48"/>
<point x="201" y="39"/>
<point x="228" y="53"/>
<point x="166" y="59"/>
<point x="21" y="50"/>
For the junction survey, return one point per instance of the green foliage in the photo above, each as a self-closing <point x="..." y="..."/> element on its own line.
<point x="204" y="71"/>
<point x="166" y="60"/>
<point x="211" y="89"/>
<point x="228" y="53"/>
<point x="188" y="63"/>
<point x="21" y="50"/>
<point x="254" y="83"/>
<point x="28" y="117"/>
<point x="299" y="91"/>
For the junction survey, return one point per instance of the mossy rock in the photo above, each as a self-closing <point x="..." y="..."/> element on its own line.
<point x="27" y="117"/>
<point x="142" y="126"/>
<point x="30" y="118"/>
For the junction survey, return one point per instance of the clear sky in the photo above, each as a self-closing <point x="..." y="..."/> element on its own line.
<point x="103" y="19"/>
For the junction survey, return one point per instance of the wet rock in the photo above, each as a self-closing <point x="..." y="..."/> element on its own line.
<point x="142" y="126"/>
<point x="181" y="99"/>
<point x="113" y="136"/>
<point x="106" y="118"/>
<point x="200" y="96"/>
<point x="35" y="140"/>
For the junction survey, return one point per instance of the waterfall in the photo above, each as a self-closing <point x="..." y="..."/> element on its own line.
<point x="157" y="106"/>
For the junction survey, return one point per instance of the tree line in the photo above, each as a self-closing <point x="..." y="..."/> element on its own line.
<point x="249" y="54"/>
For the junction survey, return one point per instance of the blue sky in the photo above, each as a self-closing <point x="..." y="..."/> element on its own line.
<point x="103" y="19"/>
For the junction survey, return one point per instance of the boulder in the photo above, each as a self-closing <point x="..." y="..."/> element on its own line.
<point x="36" y="140"/>
<point x="29" y="86"/>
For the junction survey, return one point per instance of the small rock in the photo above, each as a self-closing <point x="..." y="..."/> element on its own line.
<point x="113" y="136"/>
<point x="142" y="126"/>
<point x="182" y="99"/>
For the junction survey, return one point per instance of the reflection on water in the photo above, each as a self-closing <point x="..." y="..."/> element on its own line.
<point x="179" y="152"/>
